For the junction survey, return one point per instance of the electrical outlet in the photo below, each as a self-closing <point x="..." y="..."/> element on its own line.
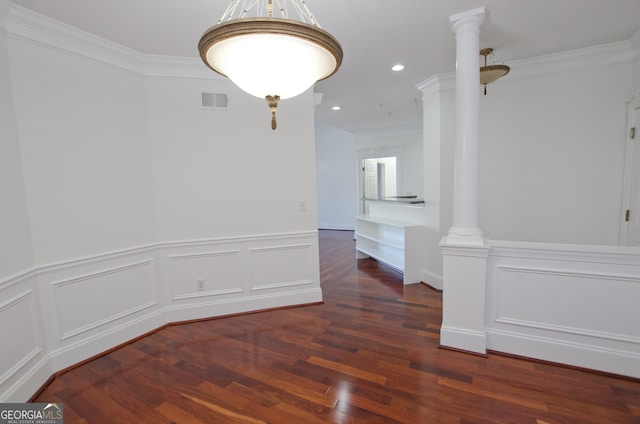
<point x="302" y="205"/>
<point x="200" y="285"/>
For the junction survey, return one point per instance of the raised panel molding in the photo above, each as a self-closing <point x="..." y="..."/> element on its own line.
<point x="93" y="300"/>
<point x="551" y="290"/>
<point x="219" y="269"/>
<point x="282" y="266"/>
<point x="19" y="333"/>
<point x="571" y="304"/>
<point x="16" y="278"/>
<point x="86" y="306"/>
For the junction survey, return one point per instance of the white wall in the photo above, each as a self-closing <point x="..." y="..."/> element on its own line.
<point x="551" y="151"/>
<point x="552" y="136"/>
<point x="15" y="244"/>
<point x="439" y="141"/>
<point x="85" y="153"/>
<point x="337" y="155"/>
<point x="552" y="156"/>
<point x="225" y="173"/>
<point x="336" y="170"/>
<point x="635" y="46"/>
<point x="23" y="347"/>
<point x="128" y="207"/>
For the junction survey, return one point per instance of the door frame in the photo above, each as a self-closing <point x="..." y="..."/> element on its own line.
<point x="627" y="185"/>
<point x="372" y="154"/>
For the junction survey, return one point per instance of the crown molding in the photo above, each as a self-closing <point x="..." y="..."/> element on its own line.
<point x="26" y="25"/>
<point x="571" y="60"/>
<point x="23" y="24"/>
<point x="4" y="11"/>
<point x="437" y="83"/>
<point x="29" y="26"/>
<point x="177" y="67"/>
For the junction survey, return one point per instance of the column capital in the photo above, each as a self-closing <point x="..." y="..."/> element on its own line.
<point x="475" y="16"/>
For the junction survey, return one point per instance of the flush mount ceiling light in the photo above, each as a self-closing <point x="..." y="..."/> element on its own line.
<point x="271" y="57"/>
<point x="490" y="73"/>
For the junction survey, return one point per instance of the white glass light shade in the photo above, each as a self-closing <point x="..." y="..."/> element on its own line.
<point x="271" y="56"/>
<point x="489" y="74"/>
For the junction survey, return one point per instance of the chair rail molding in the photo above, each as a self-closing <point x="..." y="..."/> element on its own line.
<point x="63" y="313"/>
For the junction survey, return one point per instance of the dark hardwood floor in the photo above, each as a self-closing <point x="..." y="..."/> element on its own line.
<point x="369" y="354"/>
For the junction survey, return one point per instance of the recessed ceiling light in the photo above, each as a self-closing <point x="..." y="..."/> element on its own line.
<point x="397" y="67"/>
<point x="336" y="108"/>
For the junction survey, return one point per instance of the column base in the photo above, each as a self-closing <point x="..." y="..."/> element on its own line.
<point x="464" y="237"/>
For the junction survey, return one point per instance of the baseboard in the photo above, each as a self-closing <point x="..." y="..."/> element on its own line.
<point x="462" y="339"/>
<point x="432" y="279"/>
<point x="179" y="313"/>
<point x="605" y="359"/>
<point x="105" y="340"/>
<point x="28" y="383"/>
<point x="339" y="227"/>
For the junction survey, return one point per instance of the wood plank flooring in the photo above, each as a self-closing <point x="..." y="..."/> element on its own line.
<point x="369" y="354"/>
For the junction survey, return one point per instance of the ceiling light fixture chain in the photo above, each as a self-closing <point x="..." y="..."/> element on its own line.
<point x="240" y="9"/>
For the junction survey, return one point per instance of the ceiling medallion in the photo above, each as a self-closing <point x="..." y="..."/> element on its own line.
<point x="270" y="57"/>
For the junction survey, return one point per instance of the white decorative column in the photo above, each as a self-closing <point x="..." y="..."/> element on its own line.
<point x="464" y="253"/>
<point x="465" y="196"/>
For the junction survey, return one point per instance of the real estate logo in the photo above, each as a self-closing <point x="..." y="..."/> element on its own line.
<point x="31" y="413"/>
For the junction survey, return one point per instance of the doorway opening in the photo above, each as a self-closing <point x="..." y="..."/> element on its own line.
<point x="378" y="178"/>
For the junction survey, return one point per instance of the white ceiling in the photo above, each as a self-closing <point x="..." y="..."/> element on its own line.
<point x="374" y="35"/>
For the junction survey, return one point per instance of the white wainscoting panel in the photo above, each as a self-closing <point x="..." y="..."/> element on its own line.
<point x="19" y="334"/>
<point x="220" y="273"/>
<point x="60" y="314"/>
<point x="90" y="301"/>
<point x="569" y="302"/>
<point x="241" y="274"/>
<point x="281" y="266"/>
<point x="23" y="352"/>
<point x="576" y="305"/>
